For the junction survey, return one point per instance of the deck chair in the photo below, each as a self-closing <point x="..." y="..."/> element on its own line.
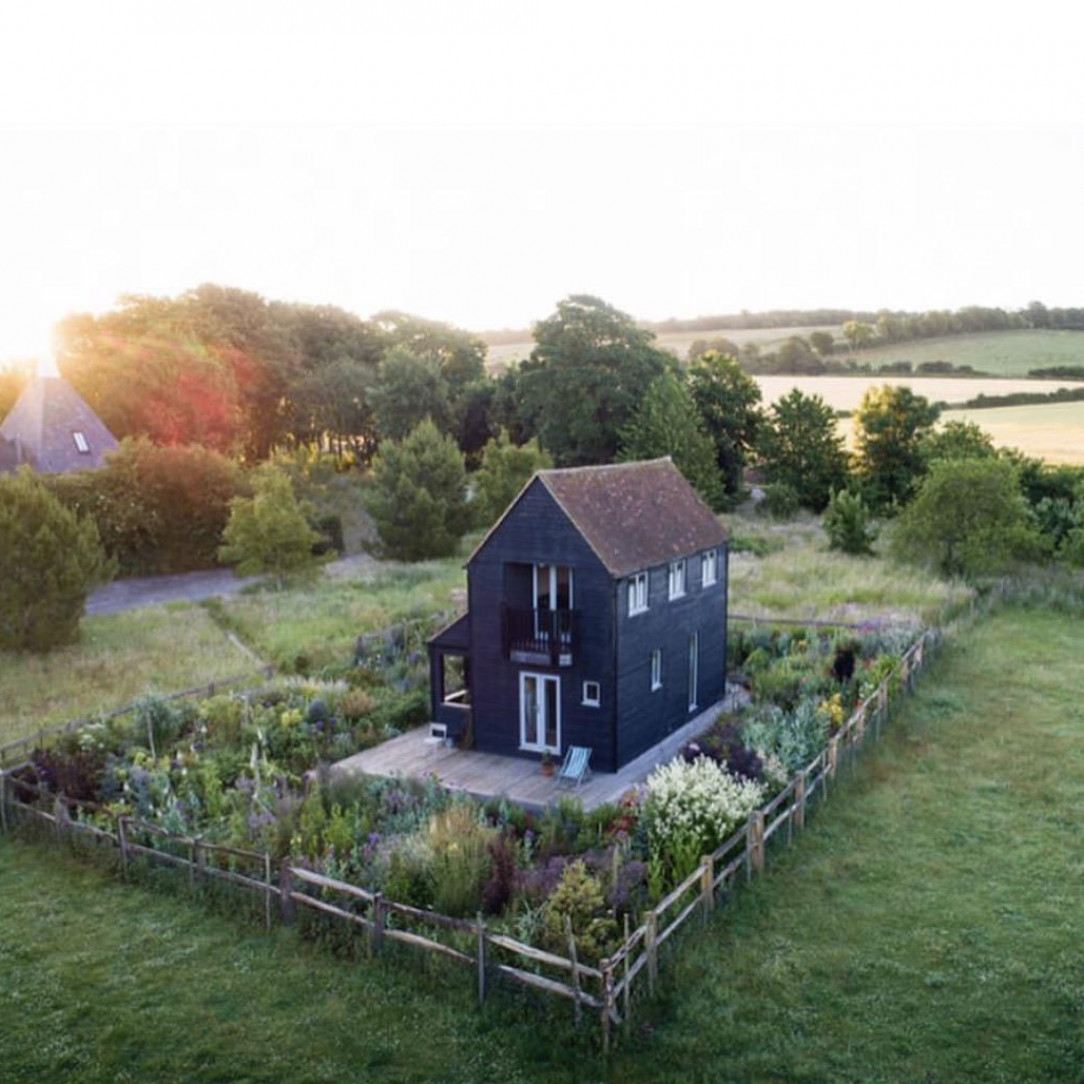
<point x="576" y="766"/>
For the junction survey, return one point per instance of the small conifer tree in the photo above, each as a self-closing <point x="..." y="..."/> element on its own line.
<point x="50" y="559"/>
<point x="846" y="522"/>
<point x="419" y="496"/>
<point x="506" y="469"/>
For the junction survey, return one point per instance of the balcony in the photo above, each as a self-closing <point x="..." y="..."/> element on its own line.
<point x="539" y="637"/>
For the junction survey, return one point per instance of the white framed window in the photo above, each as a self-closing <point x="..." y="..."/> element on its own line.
<point x="656" y="669"/>
<point x="677" y="578"/>
<point x="708" y="564"/>
<point x="638" y="593"/>
<point x="81" y="444"/>
<point x="592" y="694"/>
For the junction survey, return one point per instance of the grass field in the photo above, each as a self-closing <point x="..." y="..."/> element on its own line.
<point x="1003" y="353"/>
<point x="926" y="926"/>
<point x="1053" y="431"/>
<point x="119" y="657"/>
<point x="317" y="625"/>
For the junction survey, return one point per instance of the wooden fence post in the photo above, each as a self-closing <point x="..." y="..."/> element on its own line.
<point x="4" y="802"/>
<point x="651" y="947"/>
<point x="799" y="801"/>
<point x="481" y="961"/>
<point x="758" y="853"/>
<point x="286" y="887"/>
<point x="833" y="763"/>
<point x="627" y="992"/>
<point x="577" y="1010"/>
<point x="750" y="836"/>
<point x="122" y="839"/>
<point x="607" y="1002"/>
<point x="707" y="887"/>
<point x="379" y="918"/>
<point x="268" y="889"/>
<point x="860" y="729"/>
<point x="201" y="857"/>
<point x="59" y="812"/>
<point x="191" y="864"/>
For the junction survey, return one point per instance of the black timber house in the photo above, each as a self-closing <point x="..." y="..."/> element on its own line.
<point x="597" y="609"/>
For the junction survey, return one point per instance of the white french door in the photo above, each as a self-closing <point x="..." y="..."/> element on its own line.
<point x="540" y="713"/>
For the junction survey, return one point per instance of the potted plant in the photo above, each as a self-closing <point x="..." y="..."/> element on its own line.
<point x="548" y="767"/>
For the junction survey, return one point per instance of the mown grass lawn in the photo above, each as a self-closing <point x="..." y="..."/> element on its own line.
<point x="926" y="927"/>
<point x="118" y="657"/>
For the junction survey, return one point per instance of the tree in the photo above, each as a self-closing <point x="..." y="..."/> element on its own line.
<point x="968" y="518"/>
<point x="891" y="426"/>
<point x="846" y="522"/>
<point x="505" y="470"/>
<point x="418" y="499"/>
<point x="667" y="423"/>
<point x="800" y="445"/>
<point x="51" y="559"/>
<point x="728" y="400"/>
<point x="589" y="370"/>
<point x="269" y="532"/>
<point x="822" y="342"/>
<point x="958" y="440"/>
<point x="857" y="333"/>
<point x="409" y="389"/>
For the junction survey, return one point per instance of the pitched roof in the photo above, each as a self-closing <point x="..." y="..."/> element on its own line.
<point x="632" y="515"/>
<point x="43" y="425"/>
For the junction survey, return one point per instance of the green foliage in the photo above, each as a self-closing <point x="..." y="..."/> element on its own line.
<point x="969" y="518"/>
<point x="269" y="532"/>
<point x="800" y="445"/>
<point x="823" y="342"/>
<point x="958" y="440"/>
<point x="578" y="899"/>
<point x="891" y="425"/>
<point x="589" y="370"/>
<point x="780" y="501"/>
<point x="667" y="423"/>
<point x="408" y="390"/>
<point x="846" y="522"/>
<point x="505" y="470"/>
<point x="158" y="509"/>
<point x="52" y="559"/>
<point x="728" y="400"/>
<point x="418" y="500"/>
<point x="459" y="859"/>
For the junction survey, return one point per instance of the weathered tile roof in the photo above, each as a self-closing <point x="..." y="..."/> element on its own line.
<point x="635" y="515"/>
<point x="42" y="425"/>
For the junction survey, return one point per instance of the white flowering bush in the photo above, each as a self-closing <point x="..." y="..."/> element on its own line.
<point x="691" y="808"/>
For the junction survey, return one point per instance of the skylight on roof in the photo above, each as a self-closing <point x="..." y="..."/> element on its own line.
<point x="81" y="442"/>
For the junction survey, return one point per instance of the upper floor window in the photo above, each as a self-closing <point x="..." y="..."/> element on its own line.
<point x="677" y="578"/>
<point x="638" y="593"/>
<point x="708" y="563"/>
<point x="81" y="442"/>
<point x="592" y="694"/>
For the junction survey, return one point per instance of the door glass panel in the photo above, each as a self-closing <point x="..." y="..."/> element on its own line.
<point x="543" y="599"/>
<point x="530" y="710"/>
<point x="550" y="713"/>
<point x="564" y="588"/>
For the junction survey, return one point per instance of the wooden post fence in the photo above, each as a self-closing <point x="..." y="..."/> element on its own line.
<point x="707" y="887"/>
<point x="122" y="841"/>
<point x="577" y="1009"/>
<point x="799" y="800"/>
<point x="286" y="890"/>
<point x="481" y="961"/>
<point x="651" y="947"/>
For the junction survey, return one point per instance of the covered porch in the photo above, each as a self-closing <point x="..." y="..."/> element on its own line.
<point x="417" y="755"/>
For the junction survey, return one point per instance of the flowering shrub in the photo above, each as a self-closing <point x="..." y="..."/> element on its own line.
<point x="691" y="808"/>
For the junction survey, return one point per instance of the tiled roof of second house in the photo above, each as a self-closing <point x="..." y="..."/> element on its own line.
<point x="635" y="515"/>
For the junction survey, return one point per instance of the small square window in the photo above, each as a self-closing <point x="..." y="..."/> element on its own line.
<point x="708" y="564"/>
<point x="656" y="669"/>
<point x="592" y="694"/>
<point x="677" y="578"/>
<point x="81" y="442"/>
<point x="638" y="593"/>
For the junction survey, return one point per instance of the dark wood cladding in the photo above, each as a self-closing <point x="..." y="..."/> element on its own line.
<point x="596" y="640"/>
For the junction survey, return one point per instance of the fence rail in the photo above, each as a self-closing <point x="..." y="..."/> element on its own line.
<point x="600" y="988"/>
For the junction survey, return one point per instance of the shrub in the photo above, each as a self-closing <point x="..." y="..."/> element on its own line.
<point x="780" y="501"/>
<point x="52" y="560"/>
<point x="460" y="858"/>
<point x="846" y="523"/>
<point x="268" y="532"/>
<point x="792" y="737"/>
<point x="580" y="900"/>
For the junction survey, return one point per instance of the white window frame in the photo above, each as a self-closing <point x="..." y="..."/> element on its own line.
<point x="82" y="445"/>
<point x="592" y="701"/>
<point x="542" y="680"/>
<point x="656" y="669"/>
<point x="694" y="671"/>
<point x="677" y="580"/>
<point x="638" y="586"/>
<point x="709" y="563"/>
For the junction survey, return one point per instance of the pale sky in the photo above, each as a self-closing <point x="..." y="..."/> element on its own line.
<point x="475" y="162"/>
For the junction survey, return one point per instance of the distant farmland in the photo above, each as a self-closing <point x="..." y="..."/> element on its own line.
<point x="1054" y="432"/>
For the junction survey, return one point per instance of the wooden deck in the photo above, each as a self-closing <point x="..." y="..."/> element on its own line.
<point x="487" y="775"/>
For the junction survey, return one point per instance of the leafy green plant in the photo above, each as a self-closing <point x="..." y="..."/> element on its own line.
<point x="847" y="524"/>
<point x="578" y="899"/>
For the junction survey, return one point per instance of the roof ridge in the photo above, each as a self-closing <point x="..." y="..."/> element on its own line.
<point x="605" y="466"/>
